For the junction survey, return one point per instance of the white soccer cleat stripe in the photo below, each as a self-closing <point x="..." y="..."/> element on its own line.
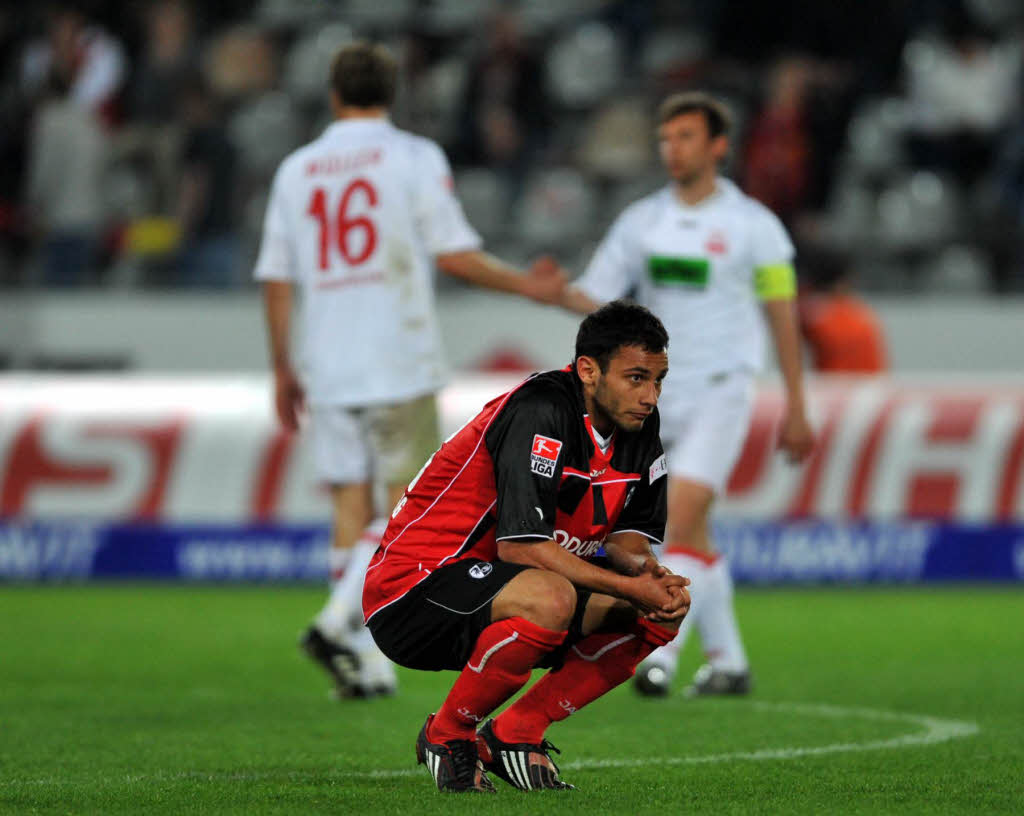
<point x="508" y="768"/>
<point x="511" y="760"/>
<point x="521" y="758"/>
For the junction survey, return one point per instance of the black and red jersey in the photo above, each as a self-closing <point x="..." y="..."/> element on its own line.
<point x="527" y="466"/>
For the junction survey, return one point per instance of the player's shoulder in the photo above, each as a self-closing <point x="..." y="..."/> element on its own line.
<point x="549" y="393"/>
<point x="294" y="163"/>
<point x="749" y="206"/>
<point x="419" y="148"/>
<point x="646" y="208"/>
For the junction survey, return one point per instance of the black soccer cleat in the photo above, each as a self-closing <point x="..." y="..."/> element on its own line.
<point x="710" y="682"/>
<point x="523" y="765"/>
<point x="340" y="662"/>
<point x="652" y="681"/>
<point x="454" y="765"/>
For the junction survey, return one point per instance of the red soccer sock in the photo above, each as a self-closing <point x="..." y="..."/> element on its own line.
<point x="593" y="667"/>
<point x="504" y="655"/>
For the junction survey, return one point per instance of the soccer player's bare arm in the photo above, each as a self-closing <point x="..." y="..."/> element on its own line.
<point x="796" y="437"/>
<point x="630" y="553"/>
<point x="645" y="591"/>
<point x="544" y="281"/>
<point x="288" y="392"/>
<point x="576" y="300"/>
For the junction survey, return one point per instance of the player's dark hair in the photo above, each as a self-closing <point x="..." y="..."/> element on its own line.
<point x="364" y="75"/>
<point x="716" y="114"/>
<point x="618" y="324"/>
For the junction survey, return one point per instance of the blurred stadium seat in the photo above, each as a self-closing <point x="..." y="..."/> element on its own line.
<point x="265" y="130"/>
<point x="618" y="139"/>
<point x="447" y="17"/>
<point x="958" y="270"/>
<point x="585" y="65"/>
<point x="605" y="67"/>
<point x="556" y="210"/>
<point x="919" y="211"/>
<point x="876" y="137"/>
<point x="309" y="60"/>
<point x="377" y="15"/>
<point x="483" y="198"/>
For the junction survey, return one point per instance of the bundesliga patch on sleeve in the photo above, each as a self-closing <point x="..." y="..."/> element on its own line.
<point x="658" y="469"/>
<point x="544" y="455"/>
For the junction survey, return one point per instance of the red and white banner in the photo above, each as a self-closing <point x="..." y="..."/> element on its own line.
<point x="886" y="450"/>
<point x="188" y="450"/>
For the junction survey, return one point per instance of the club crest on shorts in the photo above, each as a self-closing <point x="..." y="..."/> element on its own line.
<point x="480" y="570"/>
<point x="544" y="455"/>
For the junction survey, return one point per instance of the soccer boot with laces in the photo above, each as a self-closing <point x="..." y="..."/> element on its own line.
<point x="337" y="659"/>
<point x="454" y="765"/>
<point x="526" y="766"/>
<point x="709" y="682"/>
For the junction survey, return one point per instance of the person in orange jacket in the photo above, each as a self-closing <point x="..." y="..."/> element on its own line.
<point x="844" y="334"/>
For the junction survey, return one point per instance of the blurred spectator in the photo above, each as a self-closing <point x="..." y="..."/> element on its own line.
<point x="842" y="332"/>
<point x="777" y="158"/>
<point x="505" y="114"/>
<point x="67" y="157"/>
<point x="794" y="137"/>
<point x="168" y="59"/>
<point x="518" y="89"/>
<point x="962" y="87"/>
<point x="89" y="59"/>
<point x="241" y="60"/>
<point x="1005" y="229"/>
<point x="206" y="195"/>
<point x="14" y="129"/>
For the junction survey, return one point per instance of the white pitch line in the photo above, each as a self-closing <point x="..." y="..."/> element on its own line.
<point x="933" y="730"/>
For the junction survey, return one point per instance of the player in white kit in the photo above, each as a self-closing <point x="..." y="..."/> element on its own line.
<point x="709" y="261"/>
<point x="355" y="222"/>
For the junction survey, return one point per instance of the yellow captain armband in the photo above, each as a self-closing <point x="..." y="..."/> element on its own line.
<point x="775" y="282"/>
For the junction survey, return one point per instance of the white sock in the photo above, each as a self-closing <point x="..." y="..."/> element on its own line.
<point x="343" y="610"/>
<point x="337" y="561"/>
<point x="719" y="632"/>
<point x="667" y="657"/>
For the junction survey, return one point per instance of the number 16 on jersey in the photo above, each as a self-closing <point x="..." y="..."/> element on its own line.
<point x="354" y="236"/>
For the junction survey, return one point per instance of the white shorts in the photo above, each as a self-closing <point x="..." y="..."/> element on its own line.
<point x="704" y="426"/>
<point x="389" y="443"/>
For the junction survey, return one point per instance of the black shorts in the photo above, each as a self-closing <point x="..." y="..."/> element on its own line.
<point x="436" y="624"/>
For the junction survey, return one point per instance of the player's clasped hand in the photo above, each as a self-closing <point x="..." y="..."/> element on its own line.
<point x="662" y="596"/>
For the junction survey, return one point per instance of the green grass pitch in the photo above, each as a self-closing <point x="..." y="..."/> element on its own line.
<point x="174" y="699"/>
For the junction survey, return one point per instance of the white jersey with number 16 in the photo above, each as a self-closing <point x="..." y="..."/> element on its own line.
<point x="354" y="220"/>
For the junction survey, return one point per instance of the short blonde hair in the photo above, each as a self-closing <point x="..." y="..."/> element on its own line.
<point x="716" y="114"/>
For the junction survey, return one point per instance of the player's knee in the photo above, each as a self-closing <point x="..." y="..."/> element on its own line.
<point x="561" y="603"/>
<point x="544" y="598"/>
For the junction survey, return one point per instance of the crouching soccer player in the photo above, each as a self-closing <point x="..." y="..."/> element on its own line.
<point x="488" y="566"/>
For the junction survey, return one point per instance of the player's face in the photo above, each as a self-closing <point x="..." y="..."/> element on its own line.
<point x="627" y="393"/>
<point x="687" y="149"/>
